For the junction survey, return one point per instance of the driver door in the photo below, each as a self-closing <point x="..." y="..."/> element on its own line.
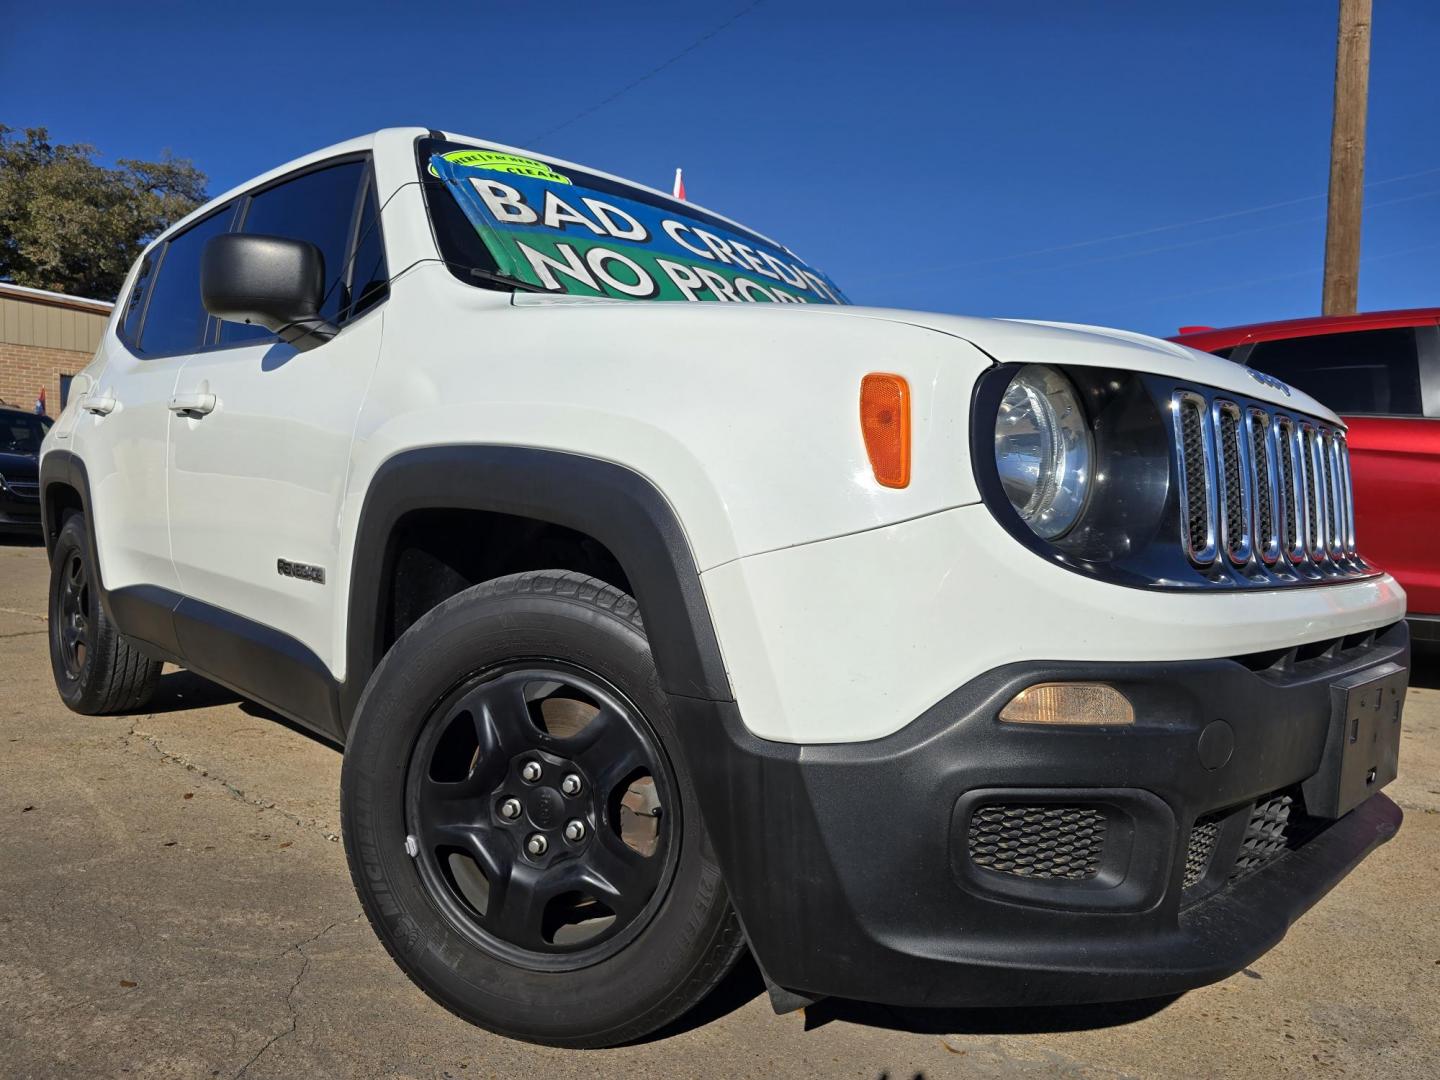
<point x="260" y="461"/>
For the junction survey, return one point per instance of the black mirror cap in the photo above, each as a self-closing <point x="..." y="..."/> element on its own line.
<point x="270" y="281"/>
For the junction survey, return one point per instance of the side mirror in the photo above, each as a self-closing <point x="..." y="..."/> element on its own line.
<point x="271" y="281"/>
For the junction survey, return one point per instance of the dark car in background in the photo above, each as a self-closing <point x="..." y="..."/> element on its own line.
<point x="1381" y="372"/>
<point x="20" y="436"/>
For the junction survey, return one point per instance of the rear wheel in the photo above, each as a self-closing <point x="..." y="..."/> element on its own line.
<point x="524" y="840"/>
<point x="97" y="669"/>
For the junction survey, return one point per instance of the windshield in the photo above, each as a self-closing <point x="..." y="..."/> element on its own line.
<point x="563" y="230"/>
<point x="21" y="433"/>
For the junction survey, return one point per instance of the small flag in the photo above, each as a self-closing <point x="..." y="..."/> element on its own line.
<point x="679" y="186"/>
<point x="40" y="403"/>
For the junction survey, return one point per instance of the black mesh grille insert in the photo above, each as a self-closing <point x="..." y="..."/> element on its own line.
<point x="1264" y="511"/>
<point x="1193" y="432"/>
<point x="1332" y="530"/>
<point x="1038" y="841"/>
<point x="1316" y="492"/>
<point x="1200" y="849"/>
<point x="1290" y="525"/>
<point x="1264" y="836"/>
<point x="1235" y="525"/>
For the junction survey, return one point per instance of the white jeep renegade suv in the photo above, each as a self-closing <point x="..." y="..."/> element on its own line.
<point x="936" y="660"/>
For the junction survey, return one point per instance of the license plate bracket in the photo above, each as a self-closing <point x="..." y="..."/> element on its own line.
<point x="1362" y="748"/>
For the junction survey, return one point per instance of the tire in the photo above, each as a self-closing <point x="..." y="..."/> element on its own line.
<point x="97" y="669"/>
<point x="492" y="681"/>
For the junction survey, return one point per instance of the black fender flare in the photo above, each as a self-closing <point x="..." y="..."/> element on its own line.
<point x="611" y="503"/>
<point x="140" y="611"/>
<point x="62" y="468"/>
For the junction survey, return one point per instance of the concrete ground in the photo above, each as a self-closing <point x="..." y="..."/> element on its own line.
<point x="174" y="902"/>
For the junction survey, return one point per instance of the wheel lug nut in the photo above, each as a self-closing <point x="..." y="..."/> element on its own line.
<point x="571" y="784"/>
<point x="575" y="831"/>
<point x="510" y="808"/>
<point x="530" y="771"/>
<point x="536" y="845"/>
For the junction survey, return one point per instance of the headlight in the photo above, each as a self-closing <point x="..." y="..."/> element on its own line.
<point x="1043" y="450"/>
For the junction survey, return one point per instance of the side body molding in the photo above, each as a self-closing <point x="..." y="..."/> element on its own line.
<point x="613" y="504"/>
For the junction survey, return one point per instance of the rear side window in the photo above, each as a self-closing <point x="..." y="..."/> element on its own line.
<point x="135" y="302"/>
<point x="1375" y="372"/>
<point x="175" y="318"/>
<point x="319" y="207"/>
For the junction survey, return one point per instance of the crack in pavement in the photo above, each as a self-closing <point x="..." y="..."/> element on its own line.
<point x="290" y="1000"/>
<point x="172" y="758"/>
<point x="22" y="633"/>
<point x="109" y="996"/>
<point x="298" y="947"/>
<point x="21" y="611"/>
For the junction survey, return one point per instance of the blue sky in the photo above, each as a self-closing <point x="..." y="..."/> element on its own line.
<point x="1093" y="162"/>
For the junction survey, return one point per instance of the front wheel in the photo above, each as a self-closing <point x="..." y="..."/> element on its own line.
<point x="524" y="839"/>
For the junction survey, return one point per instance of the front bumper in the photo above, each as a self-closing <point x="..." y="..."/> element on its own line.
<point x="867" y="870"/>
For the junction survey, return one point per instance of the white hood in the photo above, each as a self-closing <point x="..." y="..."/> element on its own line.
<point x="1020" y="341"/>
<point x="1012" y="341"/>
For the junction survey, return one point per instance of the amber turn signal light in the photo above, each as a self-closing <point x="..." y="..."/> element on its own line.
<point x="1090" y="704"/>
<point x="885" y="424"/>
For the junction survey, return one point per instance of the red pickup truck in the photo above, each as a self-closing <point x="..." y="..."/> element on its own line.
<point x="1381" y="373"/>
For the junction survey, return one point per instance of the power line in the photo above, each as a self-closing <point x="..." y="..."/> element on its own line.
<point x="1171" y="227"/>
<point x="1229" y="286"/>
<point x="701" y="40"/>
<point x="1202" y="241"/>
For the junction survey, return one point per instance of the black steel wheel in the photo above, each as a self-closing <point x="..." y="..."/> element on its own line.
<point x="537" y="802"/>
<point x="73" y="628"/>
<point x="520" y="829"/>
<point x="97" y="669"/>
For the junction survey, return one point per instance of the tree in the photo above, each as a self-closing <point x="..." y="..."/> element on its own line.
<point x="74" y="226"/>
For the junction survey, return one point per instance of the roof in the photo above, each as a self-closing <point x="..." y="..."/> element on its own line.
<point x="54" y="299"/>
<point x="1210" y="339"/>
<point x="349" y="146"/>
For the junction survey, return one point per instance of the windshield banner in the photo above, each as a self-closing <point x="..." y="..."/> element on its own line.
<point x="550" y="230"/>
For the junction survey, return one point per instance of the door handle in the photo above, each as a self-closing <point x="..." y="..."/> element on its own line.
<point x="193" y="404"/>
<point x="99" y="405"/>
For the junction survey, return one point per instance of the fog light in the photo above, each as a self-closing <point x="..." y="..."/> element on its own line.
<point x="1090" y="704"/>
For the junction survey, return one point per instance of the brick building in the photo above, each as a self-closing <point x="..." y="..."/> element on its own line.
<point x="45" y="338"/>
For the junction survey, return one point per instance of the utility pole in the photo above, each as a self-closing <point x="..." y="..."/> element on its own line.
<point x="1347" y="160"/>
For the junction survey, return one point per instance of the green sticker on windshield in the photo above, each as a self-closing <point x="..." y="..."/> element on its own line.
<point x="496" y="161"/>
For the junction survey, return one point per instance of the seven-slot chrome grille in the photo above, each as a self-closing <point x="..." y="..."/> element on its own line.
<point x="1263" y="489"/>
